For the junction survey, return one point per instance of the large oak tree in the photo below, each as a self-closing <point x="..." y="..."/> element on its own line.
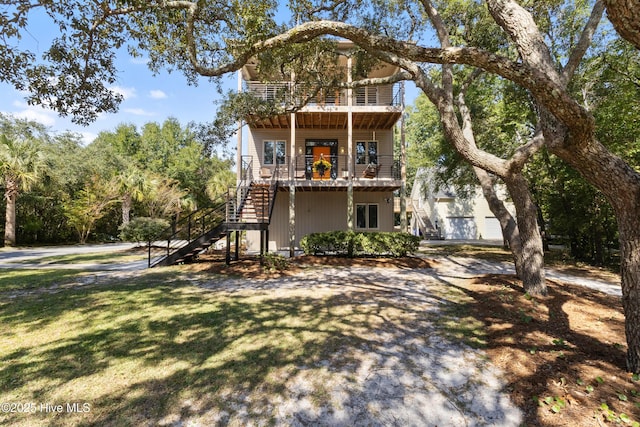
<point x="212" y="38"/>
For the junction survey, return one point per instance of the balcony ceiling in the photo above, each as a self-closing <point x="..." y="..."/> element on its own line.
<point x="328" y="120"/>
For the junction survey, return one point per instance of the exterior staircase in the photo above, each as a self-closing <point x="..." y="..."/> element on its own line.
<point x="246" y="208"/>
<point x="428" y="231"/>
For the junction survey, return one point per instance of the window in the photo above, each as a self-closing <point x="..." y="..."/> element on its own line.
<point x="367" y="216"/>
<point x="366" y="152"/>
<point x="275" y="152"/>
<point x="366" y="95"/>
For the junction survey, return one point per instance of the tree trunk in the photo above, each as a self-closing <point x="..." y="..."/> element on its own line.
<point x="629" y="227"/>
<point x="623" y="14"/>
<point x="126" y="209"/>
<point x="10" y="195"/>
<point x="508" y="224"/>
<point x="620" y="184"/>
<point x="531" y="255"/>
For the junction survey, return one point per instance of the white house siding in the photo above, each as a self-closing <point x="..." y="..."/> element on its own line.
<point x="458" y="218"/>
<point x="319" y="211"/>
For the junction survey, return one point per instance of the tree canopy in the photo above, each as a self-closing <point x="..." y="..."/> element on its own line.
<point x="516" y="40"/>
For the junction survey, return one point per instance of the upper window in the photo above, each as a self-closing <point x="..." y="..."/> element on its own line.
<point x="275" y="152"/>
<point x="366" y="95"/>
<point x="366" y="152"/>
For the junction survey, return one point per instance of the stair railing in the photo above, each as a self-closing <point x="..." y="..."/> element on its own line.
<point x="183" y="232"/>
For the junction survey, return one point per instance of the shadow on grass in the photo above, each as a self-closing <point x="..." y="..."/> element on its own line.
<point x="27" y="279"/>
<point x="358" y="349"/>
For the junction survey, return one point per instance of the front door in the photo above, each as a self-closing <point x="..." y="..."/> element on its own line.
<point x="323" y="148"/>
<point x="325" y="154"/>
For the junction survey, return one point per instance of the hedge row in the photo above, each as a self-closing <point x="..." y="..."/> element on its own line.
<point x="352" y="244"/>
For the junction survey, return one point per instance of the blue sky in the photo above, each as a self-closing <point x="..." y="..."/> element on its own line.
<point x="147" y="98"/>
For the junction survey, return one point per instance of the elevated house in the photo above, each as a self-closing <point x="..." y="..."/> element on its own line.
<point x="332" y="160"/>
<point x="330" y="165"/>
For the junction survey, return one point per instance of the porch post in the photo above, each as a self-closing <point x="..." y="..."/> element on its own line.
<point x="349" y="147"/>
<point x="239" y="134"/>
<point x="237" y="250"/>
<point x="292" y="187"/>
<point x="227" y="256"/>
<point x="403" y="166"/>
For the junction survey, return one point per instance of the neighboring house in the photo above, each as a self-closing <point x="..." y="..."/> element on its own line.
<point x="438" y="213"/>
<point x="352" y="130"/>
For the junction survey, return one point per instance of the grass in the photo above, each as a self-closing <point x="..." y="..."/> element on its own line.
<point x="163" y="346"/>
<point x="28" y="280"/>
<point x="136" y="350"/>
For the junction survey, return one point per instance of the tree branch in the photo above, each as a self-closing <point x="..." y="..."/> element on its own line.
<point x="623" y="14"/>
<point x="585" y="41"/>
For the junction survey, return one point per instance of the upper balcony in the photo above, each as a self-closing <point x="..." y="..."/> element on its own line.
<point x="373" y="107"/>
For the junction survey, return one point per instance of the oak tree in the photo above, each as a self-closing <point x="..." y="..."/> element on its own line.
<point x="212" y="38"/>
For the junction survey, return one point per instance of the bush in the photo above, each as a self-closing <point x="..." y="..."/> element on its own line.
<point x="352" y="244"/>
<point x="143" y="229"/>
<point x="272" y="261"/>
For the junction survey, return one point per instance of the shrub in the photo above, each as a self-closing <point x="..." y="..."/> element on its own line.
<point x="352" y="244"/>
<point x="143" y="229"/>
<point x="272" y="261"/>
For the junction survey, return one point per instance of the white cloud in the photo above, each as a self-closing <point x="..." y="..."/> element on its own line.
<point x="88" y="137"/>
<point x="140" y="61"/>
<point x="157" y="94"/>
<point x="138" y="112"/>
<point x="33" y="113"/>
<point x="126" y="92"/>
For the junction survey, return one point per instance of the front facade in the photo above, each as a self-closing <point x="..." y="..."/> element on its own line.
<point x="333" y="159"/>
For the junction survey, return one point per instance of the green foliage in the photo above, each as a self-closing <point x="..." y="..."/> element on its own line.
<point x="611" y="416"/>
<point x="554" y="403"/>
<point x="88" y="207"/>
<point x="143" y="229"/>
<point x="352" y="244"/>
<point x="272" y="261"/>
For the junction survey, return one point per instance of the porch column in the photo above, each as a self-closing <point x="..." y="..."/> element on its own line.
<point x="292" y="187"/>
<point x="349" y="147"/>
<point x="403" y="166"/>
<point x="239" y="134"/>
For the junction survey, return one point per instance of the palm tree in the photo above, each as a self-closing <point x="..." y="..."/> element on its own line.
<point x="21" y="163"/>
<point x="133" y="185"/>
<point x="218" y="185"/>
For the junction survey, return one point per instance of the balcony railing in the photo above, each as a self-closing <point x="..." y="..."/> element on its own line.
<point x="378" y="167"/>
<point x="385" y="95"/>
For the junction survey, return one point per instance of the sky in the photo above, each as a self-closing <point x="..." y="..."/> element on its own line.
<point x="147" y="98"/>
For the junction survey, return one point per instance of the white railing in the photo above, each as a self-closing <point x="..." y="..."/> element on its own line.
<point x="385" y="95"/>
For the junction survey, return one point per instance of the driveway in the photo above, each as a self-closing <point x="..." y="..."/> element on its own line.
<point x="27" y="257"/>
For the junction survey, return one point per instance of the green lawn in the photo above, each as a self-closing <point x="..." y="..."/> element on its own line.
<point x="144" y="351"/>
<point x="30" y="279"/>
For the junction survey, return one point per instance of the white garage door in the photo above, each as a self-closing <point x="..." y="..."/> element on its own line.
<point x="492" y="230"/>
<point x="460" y="228"/>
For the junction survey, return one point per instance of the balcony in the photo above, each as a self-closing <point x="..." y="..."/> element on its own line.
<point x="369" y="96"/>
<point x="375" y="173"/>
